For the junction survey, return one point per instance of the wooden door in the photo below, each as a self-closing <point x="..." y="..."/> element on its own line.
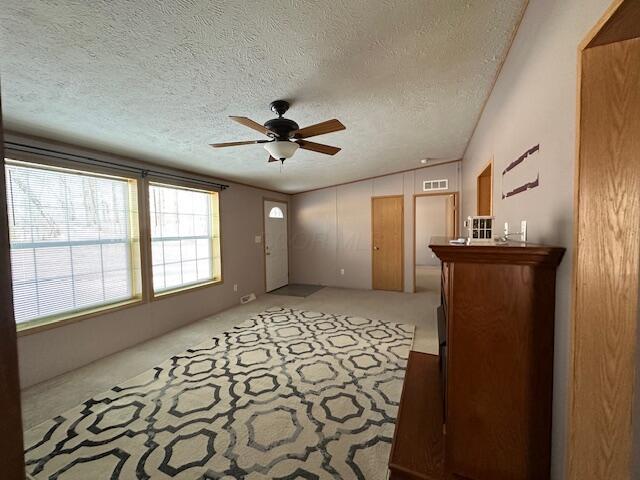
<point x="275" y="245"/>
<point x="387" y="225"/>
<point x="485" y="190"/>
<point x="11" y="446"/>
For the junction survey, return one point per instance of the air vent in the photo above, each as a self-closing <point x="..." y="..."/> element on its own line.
<point x="431" y="185"/>
<point x="247" y="298"/>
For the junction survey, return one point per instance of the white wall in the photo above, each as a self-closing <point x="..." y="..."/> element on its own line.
<point x="430" y="221"/>
<point x="52" y="352"/>
<point x="534" y="101"/>
<point x="331" y="227"/>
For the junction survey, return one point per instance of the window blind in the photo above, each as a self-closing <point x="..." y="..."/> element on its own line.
<point x="74" y="240"/>
<point x="185" y="240"/>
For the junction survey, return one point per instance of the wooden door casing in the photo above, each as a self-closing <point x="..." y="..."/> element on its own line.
<point x="606" y="263"/>
<point x="387" y="242"/>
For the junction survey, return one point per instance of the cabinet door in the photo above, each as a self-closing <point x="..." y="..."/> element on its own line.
<point x="500" y="354"/>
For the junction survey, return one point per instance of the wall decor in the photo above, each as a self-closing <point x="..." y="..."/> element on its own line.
<point x="520" y="184"/>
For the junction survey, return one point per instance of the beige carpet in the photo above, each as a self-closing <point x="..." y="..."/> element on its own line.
<point x="289" y="394"/>
<point x="428" y="279"/>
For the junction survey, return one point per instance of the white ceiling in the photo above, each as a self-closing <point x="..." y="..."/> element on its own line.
<point x="157" y="80"/>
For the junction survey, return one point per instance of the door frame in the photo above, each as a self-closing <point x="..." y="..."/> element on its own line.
<point x="615" y="431"/>
<point x="456" y="222"/>
<point x="401" y="238"/>
<point x="11" y="442"/>
<point x="264" y="239"/>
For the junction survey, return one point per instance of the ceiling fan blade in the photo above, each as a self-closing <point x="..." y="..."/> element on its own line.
<point x="320" y="129"/>
<point x="318" y="147"/>
<point x="247" y="122"/>
<point x="235" y="144"/>
<point x="271" y="159"/>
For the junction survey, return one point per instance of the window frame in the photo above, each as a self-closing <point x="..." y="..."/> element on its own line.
<point x="55" y="164"/>
<point x="185" y="185"/>
<point x="146" y="294"/>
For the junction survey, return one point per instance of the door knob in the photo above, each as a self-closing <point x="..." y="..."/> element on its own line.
<point x="376" y="248"/>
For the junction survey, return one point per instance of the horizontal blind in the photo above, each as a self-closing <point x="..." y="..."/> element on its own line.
<point x="185" y="241"/>
<point x="74" y="241"/>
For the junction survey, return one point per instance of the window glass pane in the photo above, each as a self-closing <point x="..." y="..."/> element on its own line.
<point x="201" y="225"/>
<point x="188" y="249"/>
<point x="172" y="251"/>
<point x="183" y="222"/>
<point x="204" y="269"/>
<point x="189" y="272"/>
<point x="74" y="240"/>
<point x="276" y="212"/>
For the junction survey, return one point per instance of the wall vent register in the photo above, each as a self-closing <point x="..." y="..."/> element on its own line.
<point x="435" y="185"/>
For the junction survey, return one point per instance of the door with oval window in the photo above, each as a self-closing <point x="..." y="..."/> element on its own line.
<point x="275" y="245"/>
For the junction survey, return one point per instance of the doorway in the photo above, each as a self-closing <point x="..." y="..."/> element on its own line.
<point x="485" y="190"/>
<point x="276" y="244"/>
<point x="607" y="252"/>
<point x="434" y="215"/>
<point x="387" y="240"/>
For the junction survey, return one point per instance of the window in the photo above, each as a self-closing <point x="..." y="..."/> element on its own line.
<point x="185" y="239"/>
<point x="74" y="241"/>
<point x="276" y="212"/>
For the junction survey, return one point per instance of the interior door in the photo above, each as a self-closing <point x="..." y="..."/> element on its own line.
<point x="387" y="223"/>
<point x="275" y="245"/>
<point x="485" y="190"/>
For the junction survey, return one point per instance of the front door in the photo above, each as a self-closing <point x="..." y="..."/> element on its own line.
<point x="275" y="245"/>
<point x="387" y="237"/>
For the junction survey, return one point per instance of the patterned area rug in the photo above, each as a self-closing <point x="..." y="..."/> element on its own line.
<point x="286" y="395"/>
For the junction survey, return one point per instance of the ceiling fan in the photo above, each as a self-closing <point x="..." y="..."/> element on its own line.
<point x="285" y="135"/>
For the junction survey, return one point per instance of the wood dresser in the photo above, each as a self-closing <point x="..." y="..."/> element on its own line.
<point x="496" y="369"/>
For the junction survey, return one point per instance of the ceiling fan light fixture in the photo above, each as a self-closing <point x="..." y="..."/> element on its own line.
<point x="281" y="149"/>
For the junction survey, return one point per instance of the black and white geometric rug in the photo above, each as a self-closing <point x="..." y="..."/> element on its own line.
<point x="286" y="395"/>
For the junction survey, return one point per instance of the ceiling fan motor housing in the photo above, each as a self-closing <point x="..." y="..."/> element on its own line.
<point x="281" y="127"/>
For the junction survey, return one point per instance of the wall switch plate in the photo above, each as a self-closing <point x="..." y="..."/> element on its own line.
<point x="258" y="239"/>
<point x="235" y="287"/>
<point x="523" y="230"/>
<point x="342" y="271"/>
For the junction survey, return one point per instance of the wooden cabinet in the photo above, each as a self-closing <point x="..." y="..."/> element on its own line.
<point x="491" y="385"/>
<point x="498" y="305"/>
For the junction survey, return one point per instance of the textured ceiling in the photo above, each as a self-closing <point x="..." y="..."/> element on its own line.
<point x="157" y="80"/>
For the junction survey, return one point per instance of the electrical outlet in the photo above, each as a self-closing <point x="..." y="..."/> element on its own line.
<point x="523" y="230"/>
<point x="258" y="239"/>
<point x="506" y="229"/>
<point x="342" y="271"/>
<point x="235" y="287"/>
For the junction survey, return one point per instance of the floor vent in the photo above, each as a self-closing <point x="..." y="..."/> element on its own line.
<point x="431" y="185"/>
<point x="247" y="298"/>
